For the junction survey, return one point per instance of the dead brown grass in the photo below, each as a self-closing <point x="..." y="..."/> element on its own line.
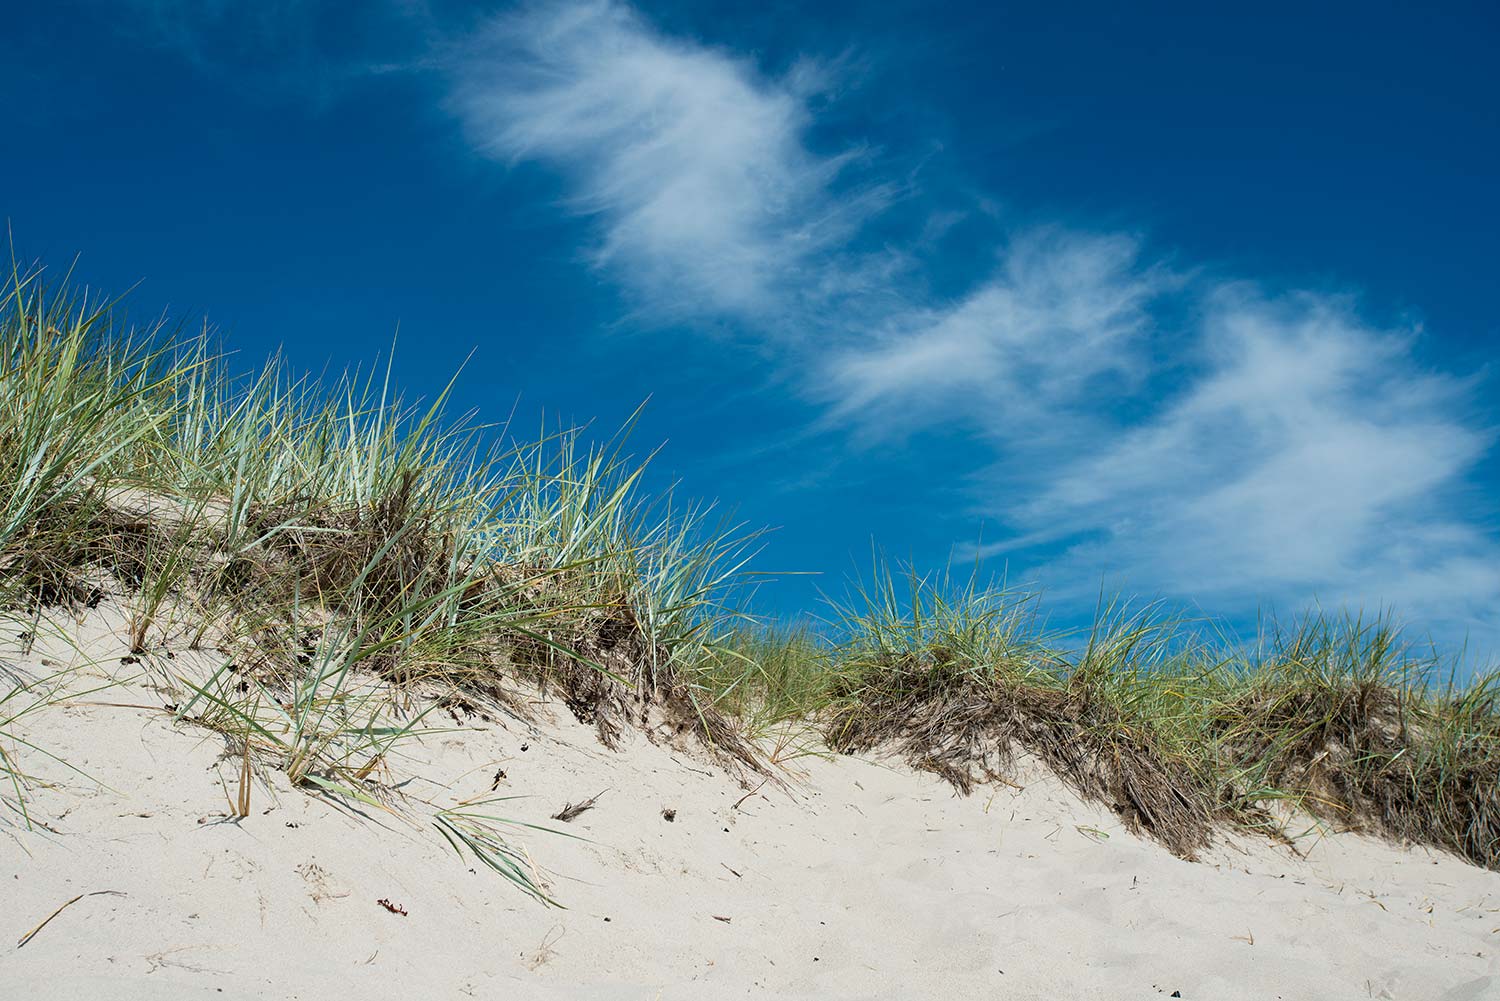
<point x="969" y="731"/>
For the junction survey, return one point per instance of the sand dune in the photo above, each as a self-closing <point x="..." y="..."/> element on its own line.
<point x="294" y="810"/>
<point x="858" y="878"/>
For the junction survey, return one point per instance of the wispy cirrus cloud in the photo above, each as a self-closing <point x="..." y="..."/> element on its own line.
<point x="1181" y="434"/>
<point x="695" y="164"/>
<point x="1309" y="457"/>
<point x="1064" y="316"/>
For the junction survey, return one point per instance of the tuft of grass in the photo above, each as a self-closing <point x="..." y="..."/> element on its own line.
<point x="1362" y="730"/>
<point x="467" y="827"/>
<point x="776" y="683"/>
<point x="958" y="678"/>
<point x="1337" y="718"/>
<point x="361" y="560"/>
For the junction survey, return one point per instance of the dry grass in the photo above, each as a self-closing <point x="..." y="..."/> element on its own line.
<point x="355" y="562"/>
<point x="1337" y="718"/>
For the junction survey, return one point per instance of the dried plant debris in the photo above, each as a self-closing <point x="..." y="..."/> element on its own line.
<point x="572" y="811"/>
<point x="969" y="732"/>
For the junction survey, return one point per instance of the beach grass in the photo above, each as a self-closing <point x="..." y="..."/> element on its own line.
<point x="355" y="562"/>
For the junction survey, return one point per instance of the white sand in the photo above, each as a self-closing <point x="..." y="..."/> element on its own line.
<point x="864" y="880"/>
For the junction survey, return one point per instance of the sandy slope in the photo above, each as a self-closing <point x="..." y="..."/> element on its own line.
<point x="862" y="880"/>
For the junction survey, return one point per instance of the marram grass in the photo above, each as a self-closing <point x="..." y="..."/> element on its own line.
<point x="358" y="566"/>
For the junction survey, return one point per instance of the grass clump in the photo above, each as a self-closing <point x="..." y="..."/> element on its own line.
<point x="1337" y="719"/>
<point x="961" y="680"/>
<point x="357" y="561"/>
<point x="1361" y="730"/>
<point x="267" y="506"/>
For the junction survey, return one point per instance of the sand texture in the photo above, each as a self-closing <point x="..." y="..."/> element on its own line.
<point x="857" y="878"/>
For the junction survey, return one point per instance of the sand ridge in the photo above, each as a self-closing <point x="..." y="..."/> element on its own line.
<point x="858" y="878"/>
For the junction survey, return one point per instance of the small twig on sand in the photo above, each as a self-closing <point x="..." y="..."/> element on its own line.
<point x="747" y="795"/>
<point x="32" y="934"/>
<point x="572" y="810"/>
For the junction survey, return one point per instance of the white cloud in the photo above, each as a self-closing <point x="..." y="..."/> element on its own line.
<point x="695" y="163"/>
<point x="1310" y="458"/>
<point x="1065" y="314"/>
<point x="1182" y="435"/>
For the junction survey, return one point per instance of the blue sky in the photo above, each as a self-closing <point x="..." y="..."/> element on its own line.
<point x="1173" y="300"/>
